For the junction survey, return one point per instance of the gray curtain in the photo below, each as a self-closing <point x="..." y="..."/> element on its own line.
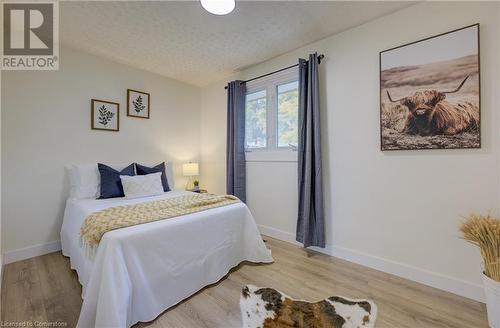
<point x="235" y="154"/>
<point x="310" y="221"/>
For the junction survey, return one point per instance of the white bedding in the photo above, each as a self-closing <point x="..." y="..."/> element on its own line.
<point x="140" y="271"/>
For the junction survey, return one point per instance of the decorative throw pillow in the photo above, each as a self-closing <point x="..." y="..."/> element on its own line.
<point x="142" y="185"/>
<point x="84" y="181"/>
<point x="111" y="185"/>
<point x="143" y="170"/>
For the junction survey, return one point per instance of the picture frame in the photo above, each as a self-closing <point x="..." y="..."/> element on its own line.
<point x="138" y="104"/>
<point x="104" y="115"/>
<point x="430" y="93"/>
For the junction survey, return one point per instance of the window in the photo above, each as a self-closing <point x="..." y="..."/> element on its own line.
<point x="256" y="120"/>
<point x="271" y="109"/>
<point x="288" y="119"/>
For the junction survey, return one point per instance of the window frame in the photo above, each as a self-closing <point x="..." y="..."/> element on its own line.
<point x="272" y="152"/>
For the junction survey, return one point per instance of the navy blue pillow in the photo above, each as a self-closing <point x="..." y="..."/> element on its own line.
<point x="143" y="170"/>
<point x="111" y="184"/>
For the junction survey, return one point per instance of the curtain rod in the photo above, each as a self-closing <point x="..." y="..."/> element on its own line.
<point x="320" y="57"/>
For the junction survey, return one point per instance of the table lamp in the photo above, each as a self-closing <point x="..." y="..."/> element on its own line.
<point x="190" y="170"/>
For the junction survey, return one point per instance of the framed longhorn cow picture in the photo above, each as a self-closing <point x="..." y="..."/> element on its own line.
<point x="430" y="93"/>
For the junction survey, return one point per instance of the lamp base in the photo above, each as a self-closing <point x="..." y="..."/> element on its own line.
<point x="190" y="185"/>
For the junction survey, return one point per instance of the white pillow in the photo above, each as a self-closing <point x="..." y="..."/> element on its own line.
<point x="84" y="181"/>
<point x="169" y="168"/>
<point x="142" y="185"/>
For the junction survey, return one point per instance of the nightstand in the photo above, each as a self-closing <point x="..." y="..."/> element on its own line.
<point x="199" y="191"/>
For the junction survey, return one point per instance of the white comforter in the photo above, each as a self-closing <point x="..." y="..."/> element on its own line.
<point x="140" y="271"/>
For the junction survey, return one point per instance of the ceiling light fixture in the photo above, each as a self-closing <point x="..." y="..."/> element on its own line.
<point x="218" y="7"/>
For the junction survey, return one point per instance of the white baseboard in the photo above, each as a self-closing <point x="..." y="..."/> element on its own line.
<point x="1" y="279"/>
<point x="278" y="234"/>
<point x="429" y="278"/>
<point x="31" y="251"/>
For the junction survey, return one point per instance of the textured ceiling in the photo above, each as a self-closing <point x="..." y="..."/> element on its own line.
<point x="182" y="41"/>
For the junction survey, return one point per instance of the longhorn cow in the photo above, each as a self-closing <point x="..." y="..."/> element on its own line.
<point x="430" y="114"/>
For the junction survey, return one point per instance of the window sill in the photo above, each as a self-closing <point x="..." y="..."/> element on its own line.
<point x="284" y="155"/>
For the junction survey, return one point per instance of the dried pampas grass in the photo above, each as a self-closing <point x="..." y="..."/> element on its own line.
<point x="484" y="231"/>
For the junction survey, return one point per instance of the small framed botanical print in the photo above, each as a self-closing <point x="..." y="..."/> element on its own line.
<point x="105" y="115"/>
<point x="138" y="103"/>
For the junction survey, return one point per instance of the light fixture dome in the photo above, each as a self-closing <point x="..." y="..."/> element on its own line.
<point x="218" y="7"/>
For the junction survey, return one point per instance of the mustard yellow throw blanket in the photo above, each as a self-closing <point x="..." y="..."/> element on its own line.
<point x="98" y="223"/>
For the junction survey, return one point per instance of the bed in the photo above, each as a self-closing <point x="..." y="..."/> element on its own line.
<point x="138" y="272"/>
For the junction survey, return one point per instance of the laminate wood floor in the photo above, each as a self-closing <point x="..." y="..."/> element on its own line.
<point x="45" y="289"/>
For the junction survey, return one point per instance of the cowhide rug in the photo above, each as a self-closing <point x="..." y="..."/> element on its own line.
<point x="269" y="308"/>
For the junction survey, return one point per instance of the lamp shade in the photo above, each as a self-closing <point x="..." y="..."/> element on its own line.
<point x="190" y="169"/>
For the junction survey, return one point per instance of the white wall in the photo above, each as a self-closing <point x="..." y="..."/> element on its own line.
<point x="396" y="211"/>
<point x="213" y="137"/>
<point x="1" y="248"/>
<point x="46" y="126"/>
